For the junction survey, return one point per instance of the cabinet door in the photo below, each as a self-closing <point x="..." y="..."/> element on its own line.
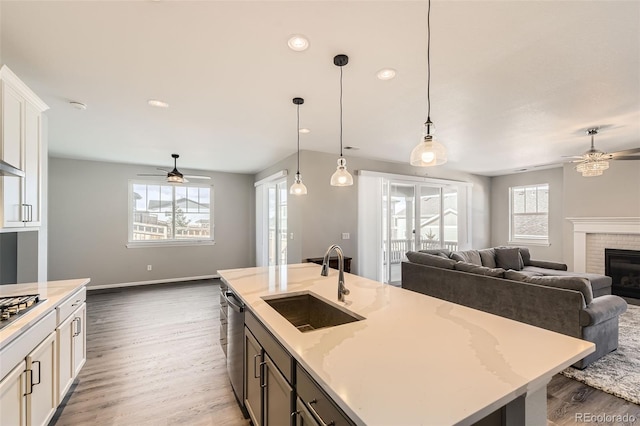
<point x="79" y="339"/>
<point x="252" y="376"/>
<point x="12" y="121"/>
<point x="31" y="166"/>
<point x="277" y="396"/>
<point x="64" y="335"/>
<point x="12" y="400"/>
<point x="41" y="382"/>
<point x="303" y="416"/>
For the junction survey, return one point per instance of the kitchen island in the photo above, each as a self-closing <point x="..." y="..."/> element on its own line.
<point x="414" y="359"/>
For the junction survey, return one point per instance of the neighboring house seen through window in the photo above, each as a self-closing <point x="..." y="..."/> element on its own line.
<point x="161" y="213"/>
<point x="529" y="214"/>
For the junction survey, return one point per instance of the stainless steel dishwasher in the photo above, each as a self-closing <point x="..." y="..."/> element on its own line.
<point x="235" y="345"/>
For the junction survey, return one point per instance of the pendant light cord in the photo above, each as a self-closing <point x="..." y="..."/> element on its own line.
<point x="428" y="60"/>
<point x="340" y="111"/>
<point x="298" y="132"/>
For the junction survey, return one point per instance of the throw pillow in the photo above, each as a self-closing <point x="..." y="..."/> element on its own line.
<point x="520" y="275"/>
<point x="480" y="270"/>
<point x="468" y="256"/>
<point x="526" y="255"/>
<point x="437" y="252"/>
<point x="509" y="258"/>
<point x="571" y="283"/>
<point x="488" y="257"/>
<point x="430" y="260"/>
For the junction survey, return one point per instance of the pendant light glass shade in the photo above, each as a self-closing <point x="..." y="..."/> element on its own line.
<point x="429" y="152"/>
<point x="298" y="187"/>
<point x="341" y="177"/>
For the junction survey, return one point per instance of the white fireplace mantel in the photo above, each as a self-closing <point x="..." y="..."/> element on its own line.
<point x="597" y="225"/>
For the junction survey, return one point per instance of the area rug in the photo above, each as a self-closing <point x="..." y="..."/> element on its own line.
<point x="617" y="373"/>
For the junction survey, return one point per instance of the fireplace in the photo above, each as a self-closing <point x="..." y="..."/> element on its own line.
<point x="623" y="266"/>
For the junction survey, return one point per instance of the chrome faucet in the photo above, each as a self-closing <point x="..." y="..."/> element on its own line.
<point x="342" y="290"/>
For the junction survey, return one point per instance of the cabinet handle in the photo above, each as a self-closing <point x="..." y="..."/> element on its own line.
<point x="30" y="212"/>
<point x="255" y="374"/>
<point x="24" y="213"/>
<point x="76" y="303"/>
<point x="33" y="384"/>
<point x="317" y="416"/>
<point x="264" y="379"/>
<point x="29" y="382"/>
<point x="78" y="326"/>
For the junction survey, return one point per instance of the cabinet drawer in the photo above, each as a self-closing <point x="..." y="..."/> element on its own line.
<point x="317" y="401"/>
<point x="277" y="353"/>
<point x="71" y="304"/>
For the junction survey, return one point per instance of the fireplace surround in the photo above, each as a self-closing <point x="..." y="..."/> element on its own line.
<point x="623" y="266"/>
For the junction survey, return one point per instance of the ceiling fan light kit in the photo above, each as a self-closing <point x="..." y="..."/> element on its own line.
<point x="429" y="152"/>
<point x="594" y="162"/>
<point x="298" y="188"/>
<point x="174" y="176"/>
<point x="341" y="177"/>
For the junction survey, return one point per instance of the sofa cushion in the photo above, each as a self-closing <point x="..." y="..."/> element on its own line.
<point x="509" y="258"/>
<point x="526" y="255"/>
<point x="571" y="283"/>
<point x="520" y="275"/>
<point x="598" y="282"/>
<point x="488" y="257"/>
<point x="468" y="256"/>
<point x="437" y="252"/>
<point x="430" y="260"/>
<point x="480" y="270"/>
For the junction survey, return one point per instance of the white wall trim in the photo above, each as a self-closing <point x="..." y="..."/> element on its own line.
<point x="162" y="281"/>
<point x="271" y="178"/>
<point x="597" y="225"/>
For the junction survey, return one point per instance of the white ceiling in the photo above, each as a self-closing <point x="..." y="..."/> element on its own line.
<point x="514" y="83"/>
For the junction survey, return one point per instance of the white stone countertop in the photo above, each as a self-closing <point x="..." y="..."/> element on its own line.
<point x="415" y="359"/>
<point x="55" y="292"/>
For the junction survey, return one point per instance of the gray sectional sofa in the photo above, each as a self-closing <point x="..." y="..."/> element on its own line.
<point x="505" y="281"/>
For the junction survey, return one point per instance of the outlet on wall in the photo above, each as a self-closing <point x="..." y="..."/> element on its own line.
<point x="149" y="267"/>
<point x="345" y="236"/>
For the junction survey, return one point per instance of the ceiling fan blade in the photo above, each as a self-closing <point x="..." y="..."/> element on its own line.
<point x="197" y="177"/>
<point x="149" y="174"/>
<point x="164" y="170"/>
<point x="626" y="152"/>
<point x="626" y="157"/>
<point x="572" y="156"/>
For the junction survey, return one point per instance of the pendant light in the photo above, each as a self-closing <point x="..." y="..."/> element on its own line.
<point x="429" y="152"/>
<point x="298" y="187"/>
<point x="341" y="177"/>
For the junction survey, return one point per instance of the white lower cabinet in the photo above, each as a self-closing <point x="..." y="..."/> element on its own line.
<point x="41" y="389"/>
<point x="71" y="349"/>
<point x="13" y="409"/>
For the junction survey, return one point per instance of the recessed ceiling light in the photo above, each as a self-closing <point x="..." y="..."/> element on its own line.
<point x="305" y="131"/>
<point x="78" y="105"/>
<point x="386" y="74"/>
<point x="298" y="43"/>
<point x="157" y="103"/>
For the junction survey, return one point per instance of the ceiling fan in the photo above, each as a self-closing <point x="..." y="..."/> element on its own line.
<point x="594" y="162"/>
<point x="174" y="176"/>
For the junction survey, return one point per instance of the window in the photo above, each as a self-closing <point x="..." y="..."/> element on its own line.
<point x="529" y="219"/>
<point x="160" y="214"/>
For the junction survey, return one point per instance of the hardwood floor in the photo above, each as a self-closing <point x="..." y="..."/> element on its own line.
<point x="153" y="358"/>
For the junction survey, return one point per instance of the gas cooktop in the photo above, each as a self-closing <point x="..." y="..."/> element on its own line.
<point x="12" y="307"/>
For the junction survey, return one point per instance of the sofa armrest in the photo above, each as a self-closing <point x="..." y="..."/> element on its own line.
<point x="548" y="265"/>
<point x="602" y="309"/>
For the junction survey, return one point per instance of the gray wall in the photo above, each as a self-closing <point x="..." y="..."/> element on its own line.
<point x="318" y="219"/>
<point x="614" y="194"/>
<point x="500" y="210"/>
<point x="88" y="225"/>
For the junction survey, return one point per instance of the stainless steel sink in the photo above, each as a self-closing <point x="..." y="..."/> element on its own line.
<point x="308" y="312"/>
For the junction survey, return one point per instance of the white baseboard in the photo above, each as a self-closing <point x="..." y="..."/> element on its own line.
<point x="162" y="281"/>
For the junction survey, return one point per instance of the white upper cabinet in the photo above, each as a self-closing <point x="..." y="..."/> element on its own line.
<point x="20" y="146"/>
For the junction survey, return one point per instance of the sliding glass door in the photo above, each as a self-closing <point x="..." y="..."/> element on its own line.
<point x="271" y="222"/>
<point x="416" y="217"/>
